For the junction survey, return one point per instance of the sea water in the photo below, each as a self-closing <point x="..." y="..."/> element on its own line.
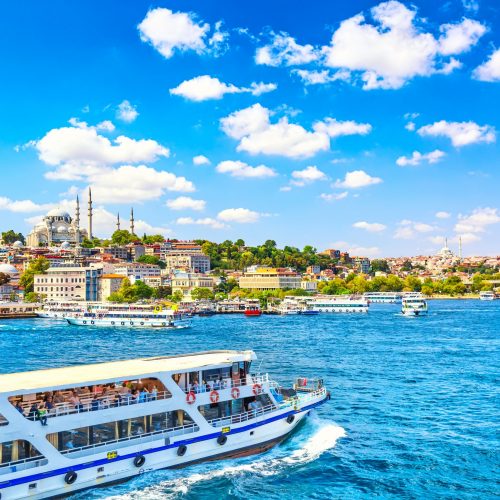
<point x="414" y="411"/>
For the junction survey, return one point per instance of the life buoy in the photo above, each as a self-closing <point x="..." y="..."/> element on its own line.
<point x="181" y="451"/>
<point x="257" y="389"/>
<point x="190" y="397"/>
<point x="139" y="460"/>
<point x="70" y="477"/>
<point x="235" y="392"/>
<point x="214" y="396"/>
<point x="222" y="439"/>
<point x="290" y="419"/>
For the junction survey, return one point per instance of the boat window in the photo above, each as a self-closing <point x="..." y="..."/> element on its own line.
<point x="119" y="393"/>
<point x="18" y="450"/>
<point x="3" y="420"/>
<point x="82" y="437"/>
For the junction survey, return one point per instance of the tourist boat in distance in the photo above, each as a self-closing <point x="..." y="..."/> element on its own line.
<point x="59" y="310"/>
<point x="128" y="316"/>
<point x="383" y="297"/>
<point x="112" y="421"/>
<point x="336" y="304"/>
<point x="414" y="304"/>
<point x="487" y="295"/>
<point x="252" y="308"/>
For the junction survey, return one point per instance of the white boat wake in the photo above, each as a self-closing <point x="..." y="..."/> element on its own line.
<point x="315" y="438"/>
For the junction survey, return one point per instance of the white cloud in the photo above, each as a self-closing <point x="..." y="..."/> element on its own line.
<point x="206" y="221"/>
<point x="200" y="160"/>
<point x="307" y="176"/>
<point x="394" y="49"/>
<point x="489" y="71"/>
<point x="126" y="112"/>
<point x="257" y="135"/>
<point x="335" y="128"/>
<point x="334" y="196"/>
<point x="460" y="37"/>
<point x="186" y="203"/>
<point x="205" y="87"/>
<point x="239" y="215"/>
<point x="136" y="183"/>
<point x="417" y="158"/>
<point x="460" y="133"/>
<point x="371" y="227"/>
<point x="242" y="170"/>
<point x="477" y="221"/>
<point x="443" y="215"/>
<point x="356" y="250"/>
<point x="285" y="51"/>
<point x="23" y="206"/>
<point x="169" y="31"/>
<point x="77" y="152"/>
<point x="357" y="179"/>
<point x="320" y="77"/>
<point x="408" y="229"/>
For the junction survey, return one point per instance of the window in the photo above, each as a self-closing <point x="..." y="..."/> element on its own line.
<point x="16" y="451"/>
<point x="82" y="437"/>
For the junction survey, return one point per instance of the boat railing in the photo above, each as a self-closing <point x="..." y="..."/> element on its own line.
<point x="126" y="441"/>
<point x="104" y="403"/>
<point x="229" y="383"/>
<point x="19" y="465"/>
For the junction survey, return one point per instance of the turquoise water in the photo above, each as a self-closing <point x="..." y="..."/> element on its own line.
<point x="414" y="410"/>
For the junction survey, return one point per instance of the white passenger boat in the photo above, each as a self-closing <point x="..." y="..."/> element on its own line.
<point x="58" y="310"/>
<point x="487" y="295"/>
<point x="414" y="304"/>
<point x="129" y="316"/>
<point x="336" y="304"/>
<point x="112" y="421"/>
<point x="383" y="297"/>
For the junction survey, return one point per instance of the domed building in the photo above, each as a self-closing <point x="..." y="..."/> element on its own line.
<point x="56" y="228"/>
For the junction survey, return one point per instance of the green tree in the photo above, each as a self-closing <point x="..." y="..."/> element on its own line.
<point x="11" y="236"/>
<point x="36" y="266"/>
<point x="201" y="293"/>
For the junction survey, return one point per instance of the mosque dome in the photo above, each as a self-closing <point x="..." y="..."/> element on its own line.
<point x="8" y="269"/>
<point x="58" y="212"/>
<point x="17" y="244"/>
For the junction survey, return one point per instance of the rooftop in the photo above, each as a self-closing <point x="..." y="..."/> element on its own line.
<point x="74" y="376"/>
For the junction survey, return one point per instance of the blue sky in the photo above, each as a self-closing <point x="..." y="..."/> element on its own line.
<point x="369" y="126"/>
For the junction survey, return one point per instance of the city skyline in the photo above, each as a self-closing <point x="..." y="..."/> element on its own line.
<point x="222" y="122"/>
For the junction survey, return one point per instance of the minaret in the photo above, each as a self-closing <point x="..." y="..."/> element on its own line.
<point x="132" y="221"/>
<point x="90" y="214"/>
<point x="77" y="222"/>
<point x="118" y="221"/>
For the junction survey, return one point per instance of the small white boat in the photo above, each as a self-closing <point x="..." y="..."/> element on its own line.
<point x="414" y="304"/>
<point x="487" y="295"/>
<point x="112" y="421"/>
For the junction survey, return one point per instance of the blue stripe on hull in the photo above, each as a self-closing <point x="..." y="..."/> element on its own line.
<point x="102" y="461"/>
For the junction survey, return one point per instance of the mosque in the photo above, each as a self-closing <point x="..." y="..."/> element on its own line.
<point x="58" y="228"/>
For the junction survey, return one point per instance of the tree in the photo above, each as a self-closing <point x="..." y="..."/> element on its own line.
<point x="151" y="259"/>
<point x="4" y="278"/>
<point x="10" y="237"/>
<point x="36" y="266"/>
<point x="201" y="293"/>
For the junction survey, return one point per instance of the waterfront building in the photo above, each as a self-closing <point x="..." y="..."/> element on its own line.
<point x="186" y="282"/>
<point x="269" y="278"/>
<point x="69" y="283"/>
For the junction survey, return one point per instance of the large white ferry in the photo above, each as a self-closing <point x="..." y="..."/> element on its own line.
<point x="487" y="295"/>
<point x="107" y="422"/>
<point x="337" y="304"/>
<point x="129" y="316"/>
<point x="414" y="304"/>
<point x="383" y="297"/>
